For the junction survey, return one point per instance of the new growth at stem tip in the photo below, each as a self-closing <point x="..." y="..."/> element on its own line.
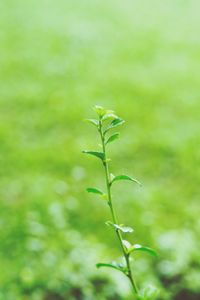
<point x="106" y="122"/>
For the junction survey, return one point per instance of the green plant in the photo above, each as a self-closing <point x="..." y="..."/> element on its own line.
<point x="108" y="120"/>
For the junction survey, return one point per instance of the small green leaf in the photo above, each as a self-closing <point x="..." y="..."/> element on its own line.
<point x="103" y="113"/>
<point x="113" y="265"/>
<point x="112" y="177"/>
<point x="100" y="110"/>
<point x="112" y="138"/>
<point x="94" y="191"/>
<point x="100" y="155"/>
<point x="125" y="177"/>
<point x="138" y="247"/>
<point x="120" y="227"/>
<point x="92" y="121"/>
<point x="125" y="229"/>
<point x="127" y="244"/>
<point x="109" y="116"/>
<point x="114" y="123"/>
<point x="117" y="122"/>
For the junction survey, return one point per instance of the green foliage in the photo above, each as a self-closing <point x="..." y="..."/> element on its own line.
<point x="59" y="58"/>
<point x="126" y="247"/>
<point x="95" y="153"/>
<point x="122" y="228"/>
<point x="93" y="122"/>
<point x="109" y="116"/>
<point x="101" y="111"/>
<point x="115" y="123"/>
<point x="112" y="138"/>
<point x="138" y="247"/>
<point x="124" y="177"/>
<point x="94" y="191"/>
<point x="114" y="265"/>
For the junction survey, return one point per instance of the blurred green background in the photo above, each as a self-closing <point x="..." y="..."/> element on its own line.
<point x="58" y="59"/>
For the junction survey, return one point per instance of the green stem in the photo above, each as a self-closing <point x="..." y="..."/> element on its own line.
<point x="113" y="213"/>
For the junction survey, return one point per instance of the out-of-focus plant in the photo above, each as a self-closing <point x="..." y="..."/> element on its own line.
<point x="106" y="122"/>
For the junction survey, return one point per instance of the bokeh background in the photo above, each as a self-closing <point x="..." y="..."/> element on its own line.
<point x="58" y="59"/>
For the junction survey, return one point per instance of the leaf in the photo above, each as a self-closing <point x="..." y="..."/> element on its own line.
<point x="117" y="122"/>
<point x="113" y="137"/>
<point x="138" y="247"/>
<point x="125" y="229"/>
<point x="103" y="113"/>
<point x="100" y="155"/>
<point x="114" y="123"/>
<point x="100" y="110"/>
<point x="125" y="177"/>
<point x="120" y="227"/>
<point x="113" y="265"/>
<point x="127" y="244"/>
<point x="112" y="176"/>
<point x="92" y="121"/>
<point x="94" y="191"/>
<point x="109" y="116"/>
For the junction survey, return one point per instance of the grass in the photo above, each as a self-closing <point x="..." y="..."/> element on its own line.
<point x="57" y="61"/>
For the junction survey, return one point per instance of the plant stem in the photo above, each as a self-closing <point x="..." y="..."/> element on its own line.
<point x="113" y="213"/>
